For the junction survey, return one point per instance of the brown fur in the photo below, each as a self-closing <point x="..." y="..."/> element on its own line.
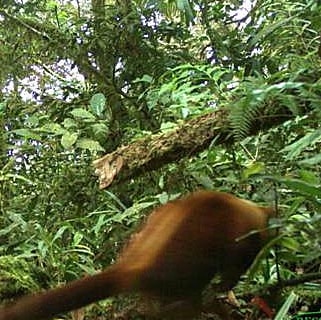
<point x="181" y="247"/>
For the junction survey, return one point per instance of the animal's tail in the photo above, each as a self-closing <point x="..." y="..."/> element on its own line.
<point x="74" y="295"/>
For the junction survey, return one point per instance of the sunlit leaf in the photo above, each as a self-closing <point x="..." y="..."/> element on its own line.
<point x="89" y="144"/>
<point x="54" y="128"/>
<point x="82" y="113"/>
<point x="69" y="123"/>
<point x="254" y="168"/>
<point x="27" y="134"/>
<point x="69" y="139"/>
<point x="98" y="104"/>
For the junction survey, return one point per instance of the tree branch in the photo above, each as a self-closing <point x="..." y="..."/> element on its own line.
<point x="154" y="151"/>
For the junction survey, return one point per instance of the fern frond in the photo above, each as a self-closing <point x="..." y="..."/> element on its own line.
<point x="243" y="116"/>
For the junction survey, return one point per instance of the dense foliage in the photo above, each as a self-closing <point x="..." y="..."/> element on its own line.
<point x="80" y="78"/>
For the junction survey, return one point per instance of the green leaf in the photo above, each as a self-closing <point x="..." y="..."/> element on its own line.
<point x="281" y="315"/>
<point x="98" y="104"/>
<point x="14" y="177"/>
<point x="311" y="161"/>
<point x="145" y="78"/>
<point x="290" y="243"/>
<point x="302" y="187"/>
<point x="32" y="121"/>
<point x="204" y="180"/>
<point x="99" y="224"/>
<point x="166" y="88"/>
<point x="54" y="128"/>
<point x="27" y="134"/>
<point x="284" y="86"/>
<point x="82" y="113"/>
<point x="100" y="130"/>
<point x="42" y="248"/>
<point x="89" y="144"/>
<point x="168" y="126"/>
<point x="254" y="168"/>
<point x="69" y="123"/>
<point x="69" y="139"/>
<point x="163" y="197"/>
<point x="300" y="145"/>
<point x="77" y="238"/>
<point x="184" y="6"/>
<point x="2" y="107"/>
<point x="59" y="233"/>
<point x="309" y="176"/>
<point x="262" y="34"/>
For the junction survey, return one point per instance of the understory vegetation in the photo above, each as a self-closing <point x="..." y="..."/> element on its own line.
<point x="79" y="79"/>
